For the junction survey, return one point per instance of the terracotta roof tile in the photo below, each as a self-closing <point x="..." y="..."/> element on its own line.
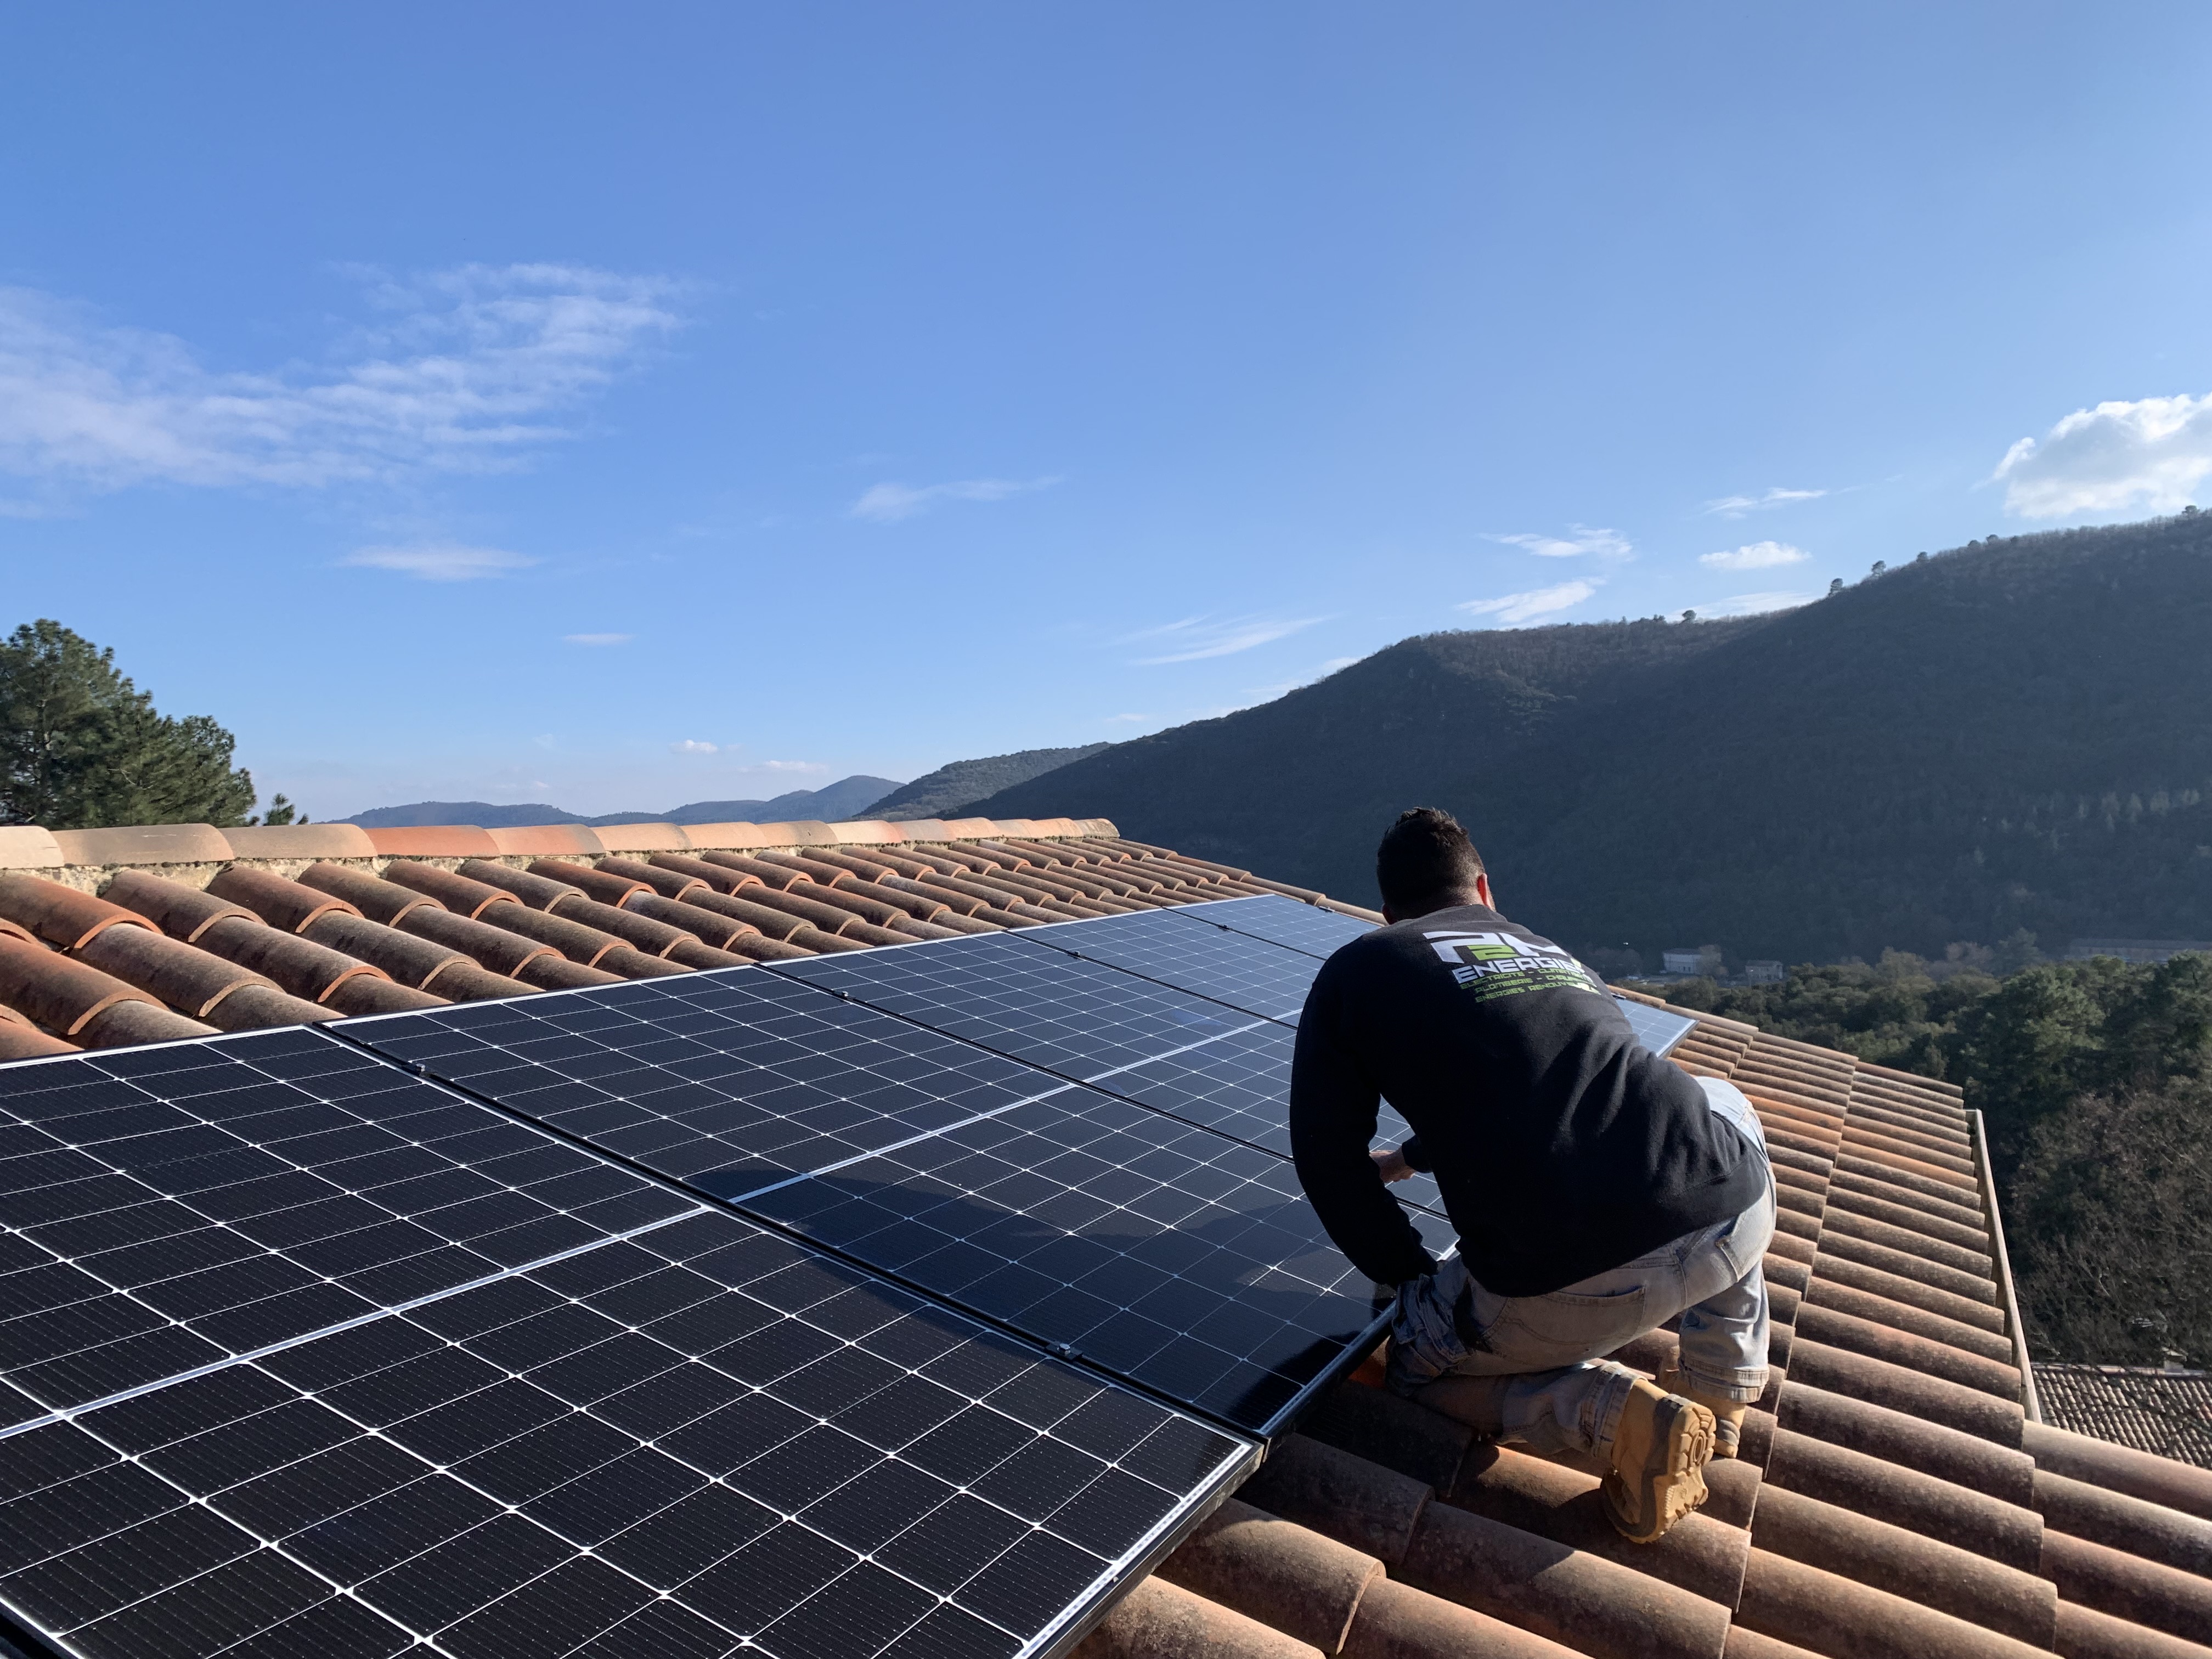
<point x="463" y="897"/>
<point x="288" y="905"/>
<point x="141" y="844"/>
<point x="28" y="847"/>
<point x="642" y="837"/>
<point x="379" y="900"/>
<point x="605" y="885"/>
<point x="287" y="841"/>
<point x="64" y="917"/>
<point x="438" y="841"/>
<point x="178" y="910"/>
<point x="191" y="981"/>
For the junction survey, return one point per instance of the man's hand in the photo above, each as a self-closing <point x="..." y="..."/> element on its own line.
<point x="1390" y="1163"/>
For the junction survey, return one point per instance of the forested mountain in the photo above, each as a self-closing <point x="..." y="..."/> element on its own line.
<point x="2014" y="734"/>
<point x="842" y="799"/>
<point x="935" y="795"/>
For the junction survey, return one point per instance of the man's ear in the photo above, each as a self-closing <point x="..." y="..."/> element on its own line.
<point x="1482" y="891"/>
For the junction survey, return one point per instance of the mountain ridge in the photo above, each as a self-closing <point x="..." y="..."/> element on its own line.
<point x="846" y="798"/>
<point x="2007" y="736"/>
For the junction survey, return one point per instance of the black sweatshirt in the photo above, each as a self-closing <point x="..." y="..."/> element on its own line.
<point x="1563" y="1147"/>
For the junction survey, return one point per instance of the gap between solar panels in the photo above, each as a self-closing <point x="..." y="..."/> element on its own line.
<point x="303" y="1352"/>
<point x="1057" y="1211"/>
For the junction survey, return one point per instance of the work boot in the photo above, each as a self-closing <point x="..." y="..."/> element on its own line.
<point x="1658" y="1456"/>
<point x="1728" y="1414"/>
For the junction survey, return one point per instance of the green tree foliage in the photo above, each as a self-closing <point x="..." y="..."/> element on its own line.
<point x="2094" y="1079"/>
<point x="81" y="748"/>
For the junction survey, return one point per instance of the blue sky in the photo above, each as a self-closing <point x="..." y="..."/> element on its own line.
<point x="621" y="407"/>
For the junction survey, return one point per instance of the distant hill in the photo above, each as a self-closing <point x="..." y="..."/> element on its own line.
<point x="2016" y="734"/>
<point x="833" y="804"/>
<point x="943" y="792"/>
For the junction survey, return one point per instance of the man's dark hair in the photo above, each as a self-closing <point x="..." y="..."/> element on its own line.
<point x="1425" y="858"/>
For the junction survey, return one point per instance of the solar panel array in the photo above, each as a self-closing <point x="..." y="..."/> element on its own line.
<point x="307" y="1357"/>
<point x="1655" y="1028"/>
<point x="1203" y="956"/>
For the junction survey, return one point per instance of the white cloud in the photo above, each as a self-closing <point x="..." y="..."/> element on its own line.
<point x="1196" y="637"/>
<point x="1607" y="544"/>
<point x="599" y="639"/>
<point x="440" y="562"/>
<point x="1735" y="507"/>
<point x="1335" y="663"/>
<point x="2151" y="453"/>
<point x="1753" y="604"/>
<point x="465" y="371"/>
<point x="1755" y="556"/>
<point x="1518" y="608"/>
<point x="693" y="746"/>
<point x="788" y="766"/>
<point x="887" y="503"/>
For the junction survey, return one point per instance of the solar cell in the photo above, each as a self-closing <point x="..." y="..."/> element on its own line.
<point x="1281" y="920"/>
<point x="701" y="1436"/>
<point x="1074" y="1017"/>
<point x="1239" y="1085"/>
<point x="1176" y="949"/>
<point x="1655" y="1028"/>
<point x="171" y="1207"/>
<point x="1159" y="1251"/>
<point x="729" y="1080"/>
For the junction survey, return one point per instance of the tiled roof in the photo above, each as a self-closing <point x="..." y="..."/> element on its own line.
<point x="1897" y="1499"/>
<point x="112" y="937"/>
<point x="2166" y="1412"/>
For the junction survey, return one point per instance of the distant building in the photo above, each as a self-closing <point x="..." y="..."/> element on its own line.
<point x="1762" y="973"/>
<point x="2152" y="951"/>
<point x="2166" y="1412"/>
<point x="1684" y="961"/>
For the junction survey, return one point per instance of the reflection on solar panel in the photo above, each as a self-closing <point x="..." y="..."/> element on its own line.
<point x="1280" y="920"/>
<point x="434" y="1377"/>
<point x="1161" y="1252"/>
<point x="1655" y="1028"/>
<point x="1210" y="961"/>
<point x="1240" y="1085"/>
<point x="728" y="1080"/>
<point x="666" y="1445"/>
<point x="171" y="1207"/>
<point x="1077" y="1018"/>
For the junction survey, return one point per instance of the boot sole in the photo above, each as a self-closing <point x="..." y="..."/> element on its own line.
<point x="1672" y="1483"/>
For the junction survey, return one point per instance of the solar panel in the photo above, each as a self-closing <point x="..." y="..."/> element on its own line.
<point x="1161" y="1252"/>
<point x="172" y="1207"/>
<point x="1281" y="920"/>
<point x="576" y="1413"/>
<point x="1174" y="949"/>
<point x="1240" y="1085"/>
<point x="729" y="1080"/>
<point x="1655" y="1028"/>
<point x="1076" y="1019"/>
<point x="702" y="1437"/>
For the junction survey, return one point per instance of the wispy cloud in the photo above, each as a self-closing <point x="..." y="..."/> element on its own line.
<point x="1514" y="609"/>
<point x="2150" y="454"/>
<point x="787" y="766"/>
<point x="1755" y="556"/>
<point x="1753" y="604"/>
<point x="694" y="746"/>
<point x="465" y="372"/>
<point x="440" y="562"/>
<point x="1735" y="507"/>
<point x="599" y="639"/>
<point x="1197" y="637"/>
<point x="1606" y="544"/>
<point x="888" y="503"/>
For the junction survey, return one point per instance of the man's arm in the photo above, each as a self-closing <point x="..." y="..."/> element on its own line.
<point x="1332" y="1122"/>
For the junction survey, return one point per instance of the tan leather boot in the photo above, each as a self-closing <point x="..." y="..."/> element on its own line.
<point x="1728" y="1414"/>
<point x="1658" y="1455"/>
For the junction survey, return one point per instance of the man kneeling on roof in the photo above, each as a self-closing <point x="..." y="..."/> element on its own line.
<point x="1598" y="1190"/>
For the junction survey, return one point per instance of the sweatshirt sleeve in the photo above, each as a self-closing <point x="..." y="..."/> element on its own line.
<point x="1333" y="1109"/>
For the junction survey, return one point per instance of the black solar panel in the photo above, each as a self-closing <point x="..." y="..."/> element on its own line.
<point x="730" y="1080"/>
<point x="416" y="1373"/>
<point x="704" y="1436"/>
<point x="1161" y="1252"/>
<point x="171" y="1207"/>
<point x="1280" y="920"/>
<point x="1240" y="1085"/>
<point x="1176" y="949"/>
<point x="1076" y="1019"/>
